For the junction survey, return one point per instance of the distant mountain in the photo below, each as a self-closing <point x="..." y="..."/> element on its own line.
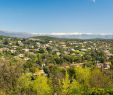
<point x="58" y="35"/>
<point x="16" y="34"/>
<point x="85" y="36"/>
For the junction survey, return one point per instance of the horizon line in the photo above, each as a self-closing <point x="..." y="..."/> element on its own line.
<point x="59" y="33"/>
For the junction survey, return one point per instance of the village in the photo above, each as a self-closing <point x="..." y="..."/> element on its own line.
<point x="65" y="53"/>
<point x="54" y="65"/>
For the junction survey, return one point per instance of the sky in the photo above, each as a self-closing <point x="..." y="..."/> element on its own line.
<point x="57" y="16"/>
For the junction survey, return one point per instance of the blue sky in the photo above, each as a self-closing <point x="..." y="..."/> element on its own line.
<point x="46" y="16"/>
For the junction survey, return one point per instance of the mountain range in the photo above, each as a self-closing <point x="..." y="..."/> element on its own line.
<point x="15" y="34"/>
<point x="58" y="35"/>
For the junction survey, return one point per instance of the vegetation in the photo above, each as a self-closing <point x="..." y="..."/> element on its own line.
<point x="37" y="66"/>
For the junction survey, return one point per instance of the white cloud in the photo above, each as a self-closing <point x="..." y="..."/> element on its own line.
<point x="71" y="33"/>
<point x="65" y="33"/>
<point x="78" y="33"/>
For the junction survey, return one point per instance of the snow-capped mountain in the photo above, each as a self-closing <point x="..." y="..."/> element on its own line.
<point x="75" y="35"/>
<point x="83" y="35"/>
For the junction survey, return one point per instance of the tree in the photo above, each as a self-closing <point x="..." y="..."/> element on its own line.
<point x="99" y="80"/>
<point x="75" y="89"/>
<point x="25" y="85"/>
<point x="83" y="76"/>
<point x="55" y="77"/>
<point x="41" y="86"/>
<point x="9" y="73"/>
<point x="65" y="85"/>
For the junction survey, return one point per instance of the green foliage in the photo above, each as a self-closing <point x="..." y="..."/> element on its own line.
<point x="51" y="66"/>
<point x="65" y="85"/>
<point x="83" y="76"/>
<point x="25" y="81"/>
<point x="2" y="92"/>
<point x="100" y="91"/>
<point x="75" y="88"/>
<point x="99" y="80"/>
<point x="41" y="86"/>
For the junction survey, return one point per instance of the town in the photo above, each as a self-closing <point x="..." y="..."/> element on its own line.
<point x="63" y="52"/>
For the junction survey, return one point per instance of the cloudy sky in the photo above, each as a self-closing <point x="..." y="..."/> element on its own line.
<point x="54" y="16"/>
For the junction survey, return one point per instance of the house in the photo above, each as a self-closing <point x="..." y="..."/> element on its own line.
<point x="106" y="65"/>
<point x="21" y="55"/>
<point x="77" y="65"/>
<point x="99" y="65"/>
<point x="26" y="50"/>
<point x="50" y="41"/>
<point x="12" y="51"/>
<point x="103" y="65"/>
<point x="83" y="49"/>
<point x="20" y="43"/>
<point x="4" y="49"/>
<point x="26" y="58"/>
